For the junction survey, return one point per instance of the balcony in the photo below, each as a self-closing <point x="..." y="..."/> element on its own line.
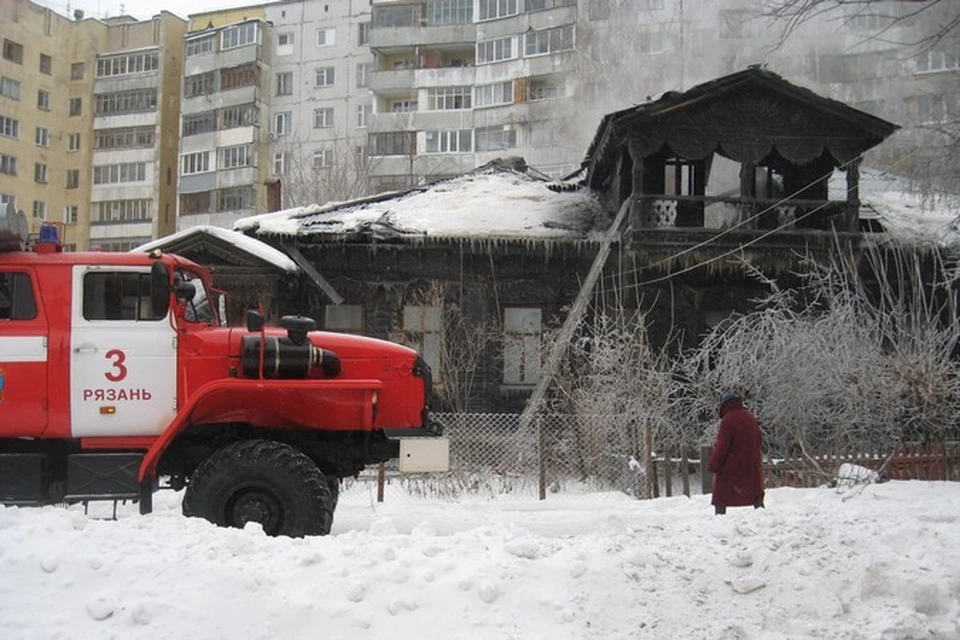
<point x="444" y="77"/>
<point x="387" y="40"/>
<point x="391" y="81"/>
<point x="228" y="59"/>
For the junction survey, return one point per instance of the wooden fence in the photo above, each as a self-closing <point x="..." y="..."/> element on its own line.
<point x="905" y="462"/>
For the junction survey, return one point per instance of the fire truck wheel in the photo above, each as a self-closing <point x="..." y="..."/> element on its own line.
<point x="261" y="481"/>
<point x="334" y="485"/>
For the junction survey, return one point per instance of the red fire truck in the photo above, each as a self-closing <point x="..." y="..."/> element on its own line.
<point x="116" y="371"/>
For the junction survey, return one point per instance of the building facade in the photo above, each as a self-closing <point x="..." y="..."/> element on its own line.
<point x="82" y="123"/>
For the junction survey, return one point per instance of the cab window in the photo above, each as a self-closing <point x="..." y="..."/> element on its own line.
<point x="16" y="297"/>
<point x="118" y="296"/>
<point x="198" y="308"/>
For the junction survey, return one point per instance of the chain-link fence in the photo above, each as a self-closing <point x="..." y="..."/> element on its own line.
<point x="493" y="453"/>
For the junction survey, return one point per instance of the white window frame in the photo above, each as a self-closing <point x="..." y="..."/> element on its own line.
<point x="326" y="37"/>
<point x="71" y="213"/>
<point x="494" y="9"/>
<point x="198" y="162"/>
<point x="323" y="118"/>
<point x="364" y="69"/>
<point x="283" y="85"/>
<point x="10" y="88"/>
<point x="42" y="137"/>
<point x="240" y="35"/>
<point x="281" y="163"/>
<point x="522" y="335"/>
<point x="445" y="98"/>
<point x="73" y="141"/>
<point x="43" y="99"/>
<point x="9" y="127"/>
<point x="323" y="158"/>
<point x="235" y="157"/>
<point x="364" y="111"/>
<point x="448" y="141"/>
<point x="324" y="77"/>
<point x="40" y="172"/>
<point x="283" y="123"/>
<point x="547" y="41"/>
<point x="288" y="38"/>
<point x="39" y="210"/>
<point x="493" y="95"/>
<point x="489" y="51"/>
<point x="199" y="46"/>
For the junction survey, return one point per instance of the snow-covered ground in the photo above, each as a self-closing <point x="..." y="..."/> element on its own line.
<point x="875" y="562"/>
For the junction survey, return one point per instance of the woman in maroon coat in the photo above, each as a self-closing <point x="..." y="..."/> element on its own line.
<point x="736" y="458"/>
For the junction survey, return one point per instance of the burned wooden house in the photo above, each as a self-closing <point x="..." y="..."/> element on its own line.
<point x="735" y="170"/>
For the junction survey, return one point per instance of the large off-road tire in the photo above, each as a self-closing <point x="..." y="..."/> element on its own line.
<point x="261" y="481"/>
<point x="334" y="484"/>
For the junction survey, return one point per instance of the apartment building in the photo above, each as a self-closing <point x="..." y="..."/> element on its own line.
<point x="458" y="82"/>
<point x="72" y="93"/>
<point x="223" y="139"/>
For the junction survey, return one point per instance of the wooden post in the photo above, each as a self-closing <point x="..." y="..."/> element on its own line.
<point x="542" y="450"/>
<point x="668" y="472"/>
<point x="706" y="478"/>
<point x="652" y="488"/>
<point x="381" y="480"/>
<point x="685" y="471"/>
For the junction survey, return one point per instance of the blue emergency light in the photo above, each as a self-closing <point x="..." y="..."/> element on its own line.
<point x="49" y="234"/>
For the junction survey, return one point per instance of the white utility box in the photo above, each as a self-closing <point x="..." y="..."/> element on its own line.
<point x="422" y="455"/>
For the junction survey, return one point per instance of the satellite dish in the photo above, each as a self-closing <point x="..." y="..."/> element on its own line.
<point x="13" y="228"/>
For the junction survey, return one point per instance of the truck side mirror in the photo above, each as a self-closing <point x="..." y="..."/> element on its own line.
<point x="160" y="288"/>
<point x="254" y="320"/>
<point x="185" y="290"/>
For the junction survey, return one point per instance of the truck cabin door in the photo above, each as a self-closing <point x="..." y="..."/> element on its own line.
<point x="23" y="356"/>
<point x="123" y="359"/>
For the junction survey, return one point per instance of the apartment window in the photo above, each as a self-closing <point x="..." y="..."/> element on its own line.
<point x="200" y="46"/>
<point x="245" y="76"/>
<point x="121" y="172"/>
<point x="12" y="51"/>
<point x="495" y="50"/>
<point x="545" y="89"/>
<point x="76" y="71"/>
<point x="10" y="88"/>
<point x="931" y="109"/>
<point x="46" y="64"/>
<point x="197" y="123"/>
<point x="496" y="137"/>
<point x="323" y="158"/>
<point x="127" y="64"/>
<point x="70" y="213"/>
<point x="363" y="75"/>
<point x="235" y="199"/>
<point x="135" y="101"/>
<point x="73" y="178"/>
<point x="422" y="327"/>
<point x="124" y="138"/>
<point x="345" y="318"/>
<point x="490" y="9"/>
<point x="548" y="41"/>
<point x="325" y="77"/>
<point x="281" y="163"/>
<point x="403" y="106"/>
<point x="9" y="127"/>
<point x="39" y="210"/>
<point x="191" y="203"/>
<point x="385" y="17"/>
<point x="198" y="85"/>
<point x="326" y="37"/>
<point x="243" y="115"/>
<point x="521" y="345"/>
<point x="285" y="83"/>
<point x="448" y="98"/>
<point x="394" y="143"/>
<point x="238" y="36"/>
<point x="122" y="210"/>
<point x="76" y="106"/>
<point x="235" y="157"/>
<point x="937" y="60"/>
<point x="40" y="172"/>
<point x="364" y="111"/>
<point x="73" y="142"/>
<point x="493" y="94"/>
<point x="43" y="100"/>
<point x="540" y="5"/>
<point x="193" y="163"/>
<point x="5" y="199"/>
<point x="449" y="12"/>
<point x="363" y="33"/>
<point x="8" y="164"/>
<point x="284" y="39"/>
<point x="283" y="123"/>
<point x="42" y="137"/>
<point x="457" y="141"/>
<point x="323" y="118"/>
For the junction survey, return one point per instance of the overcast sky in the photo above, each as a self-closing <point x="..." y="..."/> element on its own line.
<point x="141" y="9"/>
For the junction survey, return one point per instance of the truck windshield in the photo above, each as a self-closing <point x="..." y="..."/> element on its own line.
<point x="199" y="308"/>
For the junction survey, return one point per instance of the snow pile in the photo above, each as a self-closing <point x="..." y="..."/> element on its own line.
<point x="885" y="563"/>
<point x="488" y="205"/>
<point x="250" y="245"/>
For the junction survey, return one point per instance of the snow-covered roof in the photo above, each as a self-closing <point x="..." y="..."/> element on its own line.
<point x="494" y="204"/>
<point x="906" y="215"/>
<point x="244" y="243"/>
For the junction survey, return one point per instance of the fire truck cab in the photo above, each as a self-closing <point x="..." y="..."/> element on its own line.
<point x="116" y="370"/>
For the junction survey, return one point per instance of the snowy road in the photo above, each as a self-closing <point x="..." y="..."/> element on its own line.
<point x="884" y="563"/>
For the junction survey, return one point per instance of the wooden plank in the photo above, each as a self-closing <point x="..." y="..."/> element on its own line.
<point x="685" y="472"/>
